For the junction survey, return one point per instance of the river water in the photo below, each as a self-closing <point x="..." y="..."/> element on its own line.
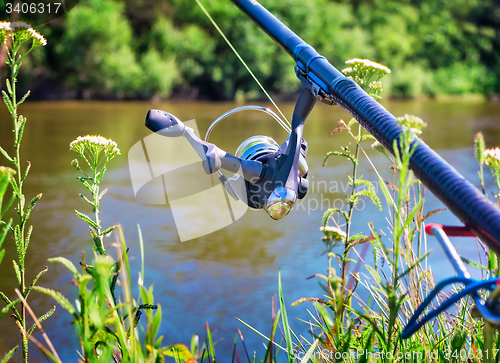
<point x="229" y="273"/>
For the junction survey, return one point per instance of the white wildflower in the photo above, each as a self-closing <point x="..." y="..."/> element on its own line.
<point x="333" y="233"/>
<point x="492" y="157"/>
<point x="375" y="85"/>
<point x="4" y="31"/>
<point x="19" y="25"/>
<point x="37" y="37"/>
<point x="22" y="31"/>
<point x="94" y="145"/>
<point x="414" y="123"/>
<point x="369" y="65"/>
<point x="347" y="70"/>
<point x="5" y="25"/>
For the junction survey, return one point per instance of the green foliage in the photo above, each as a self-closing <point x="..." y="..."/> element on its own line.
<point x="19" y="34"/>
<point x="96" y="151"/>
<point x="107" y="330"/>
<point x="97" y="45"/>
<point x="152" y="48"/>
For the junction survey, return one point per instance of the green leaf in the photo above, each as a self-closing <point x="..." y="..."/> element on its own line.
<point x="87" y="219"/>
<point x="155" y="326"/>
<point x="19" y="246"/>
<point x="23" y="99"/>
<point x="179" y="351"/>
<point x="472" y="263"/>
<point x="90" y="270"/>
<point x="9" y="354"/>
<point x="100" y="175"/>
<point x="2" y="254"/>
<point x="17" y="270"/>
<point x="27" y="238"/>
<point x="85" y="183"/>
<point x="366" y="136"/>
<point x="35" y="280"/>
<point x="412" y="214"/>
<point x="4" y="153"/>
<point x="42" y="318"/>
<point x="31" y="206"/>
<point x="109" y="230"/>
<point x="339" y="153"/>
<point x="21" y="121"/>
<point x="5" y="228"/>
<point x="412" y="266"/>
<point x="9" y="88"/>
<point x="96" y="238"/>
<point x="368" y="348"/>
<point x="356" y="237"/>
<point x="87" y="200"/>
<point x="57" y="296"/>
<point x="210" y="343"/>
<point x="10" y="305"/>
<point x="13" y="184"/>
<point x="284" y="320"/>
<point x="367" y="193"/>
<point x="15" y="69"/>
<point x="387" y="195"/>
<point x="329" y="213"/>
<point x="7" y="102"/>
<point x="28" y="168"/>
<point x="102" y="194"/>
<point x="69" y="265"/>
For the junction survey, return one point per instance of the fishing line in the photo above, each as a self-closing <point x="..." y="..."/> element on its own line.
<point x="241" y="60"/>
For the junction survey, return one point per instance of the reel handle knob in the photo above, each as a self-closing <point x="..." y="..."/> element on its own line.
<point x="164" y="123"/>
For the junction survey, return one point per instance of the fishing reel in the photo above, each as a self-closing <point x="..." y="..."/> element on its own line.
<point x="275" y="175"/>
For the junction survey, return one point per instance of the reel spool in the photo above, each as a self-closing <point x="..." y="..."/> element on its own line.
<point x="256" y="146"/>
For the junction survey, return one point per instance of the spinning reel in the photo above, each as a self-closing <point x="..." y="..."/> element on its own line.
<point x="275" y="175"/>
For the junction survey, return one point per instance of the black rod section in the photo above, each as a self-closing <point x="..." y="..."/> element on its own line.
<point x="464" y="200"/>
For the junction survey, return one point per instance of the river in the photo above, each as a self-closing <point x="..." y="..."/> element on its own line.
<point x="229" y="273"/>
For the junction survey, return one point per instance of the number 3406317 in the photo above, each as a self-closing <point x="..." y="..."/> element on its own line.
<point x="32" y="8"/>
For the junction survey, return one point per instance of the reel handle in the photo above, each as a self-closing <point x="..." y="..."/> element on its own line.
<point x="214" y="158"/>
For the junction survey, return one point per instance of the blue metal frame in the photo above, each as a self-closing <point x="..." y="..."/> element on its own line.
<point x="487" y="310"/>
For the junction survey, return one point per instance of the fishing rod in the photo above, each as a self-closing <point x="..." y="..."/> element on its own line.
<point x="272" y="176"/>
<point x="477" y="213"/>
<point x="275" y="176"/>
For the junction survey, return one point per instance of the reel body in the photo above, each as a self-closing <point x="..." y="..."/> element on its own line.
<point x="267" y="151"/>
<point x="274" y="175"/>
